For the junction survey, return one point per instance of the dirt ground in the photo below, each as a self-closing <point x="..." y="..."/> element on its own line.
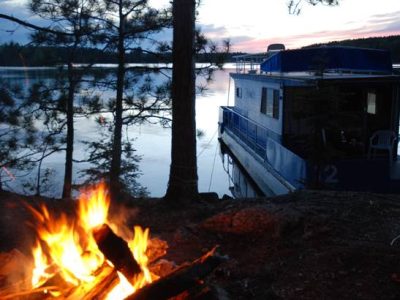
<point x="306" y="245"/>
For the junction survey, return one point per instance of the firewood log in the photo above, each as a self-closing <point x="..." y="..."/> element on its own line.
<point x="180" y="280"/>
<point x="116" y="250"/>
<point x="106" y="280"/>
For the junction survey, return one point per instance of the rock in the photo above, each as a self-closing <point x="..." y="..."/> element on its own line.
<point x="156" y="248"/>
<point x="163" y="267"/>
<point x="184" y="234"/>
<point x="255" y="219"/>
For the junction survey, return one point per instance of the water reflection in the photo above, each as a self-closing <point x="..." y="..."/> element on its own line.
<point x="240" y="183"/>
<point x="151" y="141"/>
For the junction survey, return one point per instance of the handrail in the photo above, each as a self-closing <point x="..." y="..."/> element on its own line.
<point x="266" y="144"/>
<point x="244" y="117"/>
<point x="255" y="135"/>
<point x="251" y="61"/>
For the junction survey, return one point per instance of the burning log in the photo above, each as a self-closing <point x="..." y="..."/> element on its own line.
<point x="106" y="281"/>
<point x="180" y="280"/>
<point x="116" y="250"/>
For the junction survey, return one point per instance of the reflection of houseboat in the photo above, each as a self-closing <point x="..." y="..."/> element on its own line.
<point x="318" y="117"/>
<point x="241" y="185"/>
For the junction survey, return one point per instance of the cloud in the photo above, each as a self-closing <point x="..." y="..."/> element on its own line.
<point x="253" y="45"/>
<point x="210" y="29"/>
<point x="214" y="33"/>
<point x="391" y="15"/>
<point x="385" y="23"/>
<point x="376" y="25"/>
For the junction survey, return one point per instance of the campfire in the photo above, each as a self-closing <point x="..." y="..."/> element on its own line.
<point x="89" y="257"/>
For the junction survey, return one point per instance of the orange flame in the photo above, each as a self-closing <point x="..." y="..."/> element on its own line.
<point x="138" y="247"/>
<point x="93" y="207"/>
<point x="70" y="248"/>
<point x="39" y="274"/>
<point x="65" y="249"/>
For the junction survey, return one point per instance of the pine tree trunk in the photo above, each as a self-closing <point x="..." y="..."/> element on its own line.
<point x="182" y="185"/>
<point x="115" y="170"/>
<point x="67" y="187"/>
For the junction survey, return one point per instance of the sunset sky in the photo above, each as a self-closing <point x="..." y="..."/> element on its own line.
<point x="253" y="24"/>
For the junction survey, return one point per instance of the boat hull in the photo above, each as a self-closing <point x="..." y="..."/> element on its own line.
<point x="264" y="176"/>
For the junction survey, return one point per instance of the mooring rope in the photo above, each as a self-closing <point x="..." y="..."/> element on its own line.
<point x="208" y="143"/>
<point x="213" y="167"/>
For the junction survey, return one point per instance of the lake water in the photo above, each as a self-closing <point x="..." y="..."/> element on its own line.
<point x="152" y="141"/>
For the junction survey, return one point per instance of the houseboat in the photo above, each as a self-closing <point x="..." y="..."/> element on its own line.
<point x="325" y="117"/>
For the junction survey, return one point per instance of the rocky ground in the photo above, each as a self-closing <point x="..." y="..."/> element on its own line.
<point x="306" y="245"/>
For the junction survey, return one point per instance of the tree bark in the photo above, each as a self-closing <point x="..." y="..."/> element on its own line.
<point x="70" y="134"/>
<point x="182" y="185"/>
<point x="115" y="169"/>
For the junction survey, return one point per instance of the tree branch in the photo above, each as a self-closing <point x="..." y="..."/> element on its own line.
<point x="32" y="26"/>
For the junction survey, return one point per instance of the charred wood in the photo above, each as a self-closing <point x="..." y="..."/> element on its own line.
<point x="116" y="250"/>
<point x="180" y="280"/>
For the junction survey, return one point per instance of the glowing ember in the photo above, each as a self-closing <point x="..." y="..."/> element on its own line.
<point x="70" y="250"/>
<point x="122" y="290"/>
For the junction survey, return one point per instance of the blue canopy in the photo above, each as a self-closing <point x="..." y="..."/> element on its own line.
<point x="329" y="58"/>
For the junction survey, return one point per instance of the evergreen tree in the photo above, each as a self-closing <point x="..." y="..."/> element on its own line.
<point x="295" y="5"/>
<point x="73" y="27"/>
<point x="99" y="155"/>
<point x="16" y="132"/>
<point x="183" y="180"/>
<point x="126" y="24"/>
<point x="71" y="18"/>
<point x="23" y="143"/>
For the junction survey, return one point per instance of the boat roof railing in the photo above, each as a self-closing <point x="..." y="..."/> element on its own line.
<point x="250" y="63"/>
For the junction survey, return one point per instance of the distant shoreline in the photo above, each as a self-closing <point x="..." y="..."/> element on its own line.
<point x="228" y="65"/>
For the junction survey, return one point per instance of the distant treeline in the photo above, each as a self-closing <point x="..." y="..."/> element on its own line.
<point x="391" y="43"/>
<point x="14" y="54"/>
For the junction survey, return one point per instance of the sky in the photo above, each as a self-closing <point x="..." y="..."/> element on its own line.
<point x="251" y="25"/>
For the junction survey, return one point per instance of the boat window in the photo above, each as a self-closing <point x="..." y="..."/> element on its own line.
<point x="239" y="92"/>
<point x="275" y="108"/>
<point x="371" y="103"/>
<point x="263" y="107"/>
<point x="270" y="102"/>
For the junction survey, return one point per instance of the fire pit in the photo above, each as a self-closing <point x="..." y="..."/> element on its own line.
<point x="89" y="257"/>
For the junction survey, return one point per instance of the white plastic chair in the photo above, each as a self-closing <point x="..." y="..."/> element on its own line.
<point x="382" y="140"/>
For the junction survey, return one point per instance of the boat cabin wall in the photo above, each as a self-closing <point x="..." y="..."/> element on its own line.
<point x="260" y="102"/>
<point x="338" y="120"/>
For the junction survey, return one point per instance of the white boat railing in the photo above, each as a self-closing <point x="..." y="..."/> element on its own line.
<point x="249" y="63"/>
<point x="266" y="144"/>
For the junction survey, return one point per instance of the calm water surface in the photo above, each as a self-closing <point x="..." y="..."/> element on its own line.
<point x="152" y="141"/>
